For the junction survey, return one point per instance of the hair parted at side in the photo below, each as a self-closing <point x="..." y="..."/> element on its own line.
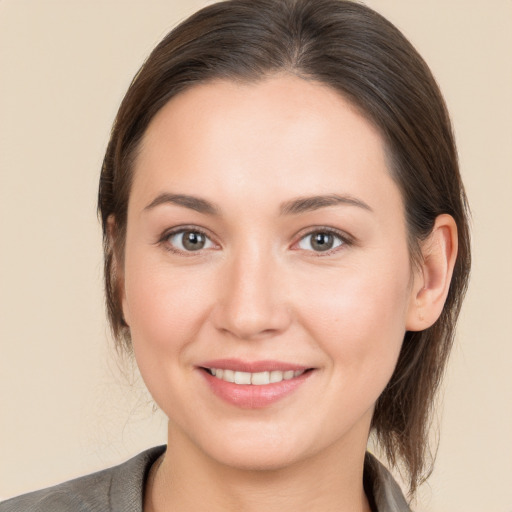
<point x="357" y="52"/>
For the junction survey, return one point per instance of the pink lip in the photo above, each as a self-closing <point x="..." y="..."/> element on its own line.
<point x="247" y="396"/>
<point x="238" y="365"/>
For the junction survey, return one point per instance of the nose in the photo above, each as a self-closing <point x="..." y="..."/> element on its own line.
<point x="252" y="301"/>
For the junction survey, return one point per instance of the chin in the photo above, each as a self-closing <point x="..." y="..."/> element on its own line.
<point x="246" y="446"/>
<point x="257" y="457"/>
<point x="266" y="447"/>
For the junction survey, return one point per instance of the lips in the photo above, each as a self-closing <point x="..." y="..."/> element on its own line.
<point x="253" y="385"/>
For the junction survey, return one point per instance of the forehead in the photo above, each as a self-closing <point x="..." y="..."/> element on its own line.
<point x="283" y="134"/>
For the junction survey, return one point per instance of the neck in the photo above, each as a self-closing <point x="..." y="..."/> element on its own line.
<point x="188" y="480"/>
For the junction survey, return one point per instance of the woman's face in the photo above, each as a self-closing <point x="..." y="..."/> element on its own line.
<point x="266" y="243"/>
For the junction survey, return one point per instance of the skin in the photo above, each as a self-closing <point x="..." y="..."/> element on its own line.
<point x="259" y="291"/>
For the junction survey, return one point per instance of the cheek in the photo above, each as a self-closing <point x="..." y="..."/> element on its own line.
<point x="358" y="315"/>
<point x="166" y="309"/>
<point x="164" y="306"/>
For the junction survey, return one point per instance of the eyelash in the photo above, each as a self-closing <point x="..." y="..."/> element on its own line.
<point x="165" y="239"/>
<point x="344" y="239"/>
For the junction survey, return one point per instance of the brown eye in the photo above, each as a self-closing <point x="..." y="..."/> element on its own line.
<point x="320" y="241"/>
<point x="193" y="241"/>
<point x="189" y="240"/>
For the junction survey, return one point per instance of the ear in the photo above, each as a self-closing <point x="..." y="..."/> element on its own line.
<point x="433" y="276"/>
<point x="117" y="263"/>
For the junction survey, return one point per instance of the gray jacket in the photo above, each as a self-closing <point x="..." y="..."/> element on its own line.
<point x="120" y="489"/>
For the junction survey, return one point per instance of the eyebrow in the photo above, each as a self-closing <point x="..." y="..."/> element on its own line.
<point x="293" y="207"/>
<point x="308" y="204"/>
<point x="191" y="202"/>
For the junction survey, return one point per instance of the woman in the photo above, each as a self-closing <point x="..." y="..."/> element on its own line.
<point x="286" y="251"/>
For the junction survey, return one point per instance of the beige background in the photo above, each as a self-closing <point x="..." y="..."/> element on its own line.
<point x="65" y="409"/>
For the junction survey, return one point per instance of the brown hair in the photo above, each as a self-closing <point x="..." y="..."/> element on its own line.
<point x="357" y="52"/>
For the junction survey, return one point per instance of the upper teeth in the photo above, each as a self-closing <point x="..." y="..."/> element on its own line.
<point x="257" y="379"/>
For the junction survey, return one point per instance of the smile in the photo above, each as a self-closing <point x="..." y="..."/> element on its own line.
<point x="255" y="379"/>
<point x="254" y="385"/>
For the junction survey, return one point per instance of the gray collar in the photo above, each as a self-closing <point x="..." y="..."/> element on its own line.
<point x="382" y="487"/>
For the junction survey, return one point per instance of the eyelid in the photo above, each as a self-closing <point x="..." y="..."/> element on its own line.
<point x="347" y="239"/>
<point x="164" y="239"/>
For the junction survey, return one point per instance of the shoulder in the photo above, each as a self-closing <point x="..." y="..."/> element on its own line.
<point x="117" y="488"/>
